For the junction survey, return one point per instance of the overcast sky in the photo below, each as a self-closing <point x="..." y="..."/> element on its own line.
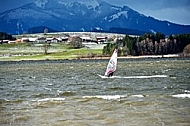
<point x="176" y="11"/>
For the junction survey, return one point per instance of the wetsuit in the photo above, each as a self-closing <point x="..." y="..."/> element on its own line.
<point x="111" y="74"/>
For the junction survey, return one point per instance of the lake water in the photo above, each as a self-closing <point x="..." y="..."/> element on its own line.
<point x="142" y="92"/>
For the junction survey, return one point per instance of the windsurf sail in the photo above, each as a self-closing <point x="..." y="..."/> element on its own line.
<point x="112" y="64"/>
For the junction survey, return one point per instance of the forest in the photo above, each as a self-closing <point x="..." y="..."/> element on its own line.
<point x="149" y="44"/>
<point x="5" y="36"/>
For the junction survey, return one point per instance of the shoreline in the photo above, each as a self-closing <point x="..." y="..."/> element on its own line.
<point x="137" y="57"/>
<point x="99" y="58"/>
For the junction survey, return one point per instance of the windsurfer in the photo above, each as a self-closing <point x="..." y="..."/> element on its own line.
<point x="112" y="64"/>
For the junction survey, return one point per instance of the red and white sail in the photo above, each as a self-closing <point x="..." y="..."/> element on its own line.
<point x="111" y="67"/>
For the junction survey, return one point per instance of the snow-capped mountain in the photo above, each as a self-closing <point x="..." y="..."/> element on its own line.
<point x="82" y="15"/>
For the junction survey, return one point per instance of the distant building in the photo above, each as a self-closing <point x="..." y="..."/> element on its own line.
<point x="86" y="39"/>
<point x="5" y="41"/>
<point x="25" y="39"/>
<point x="101" y="39"/>
<point x="11" y="42"/>
<point x="32" y="39"/>
<point x="64" y="39"/>
<point x="41" y="40"/>
<point x="53" y="40"/>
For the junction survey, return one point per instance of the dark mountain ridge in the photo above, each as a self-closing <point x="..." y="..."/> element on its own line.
<point x="83" y="15"/>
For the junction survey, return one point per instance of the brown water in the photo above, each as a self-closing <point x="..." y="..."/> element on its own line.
<point x="149" y="92"/>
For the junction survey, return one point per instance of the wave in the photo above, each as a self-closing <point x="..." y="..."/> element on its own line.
<point x="136" y="77"/>
<point x="49" y="89"/>
<point x="51" y="99"/>
<point x="65" y="93"/>
<point x="43" y="103"/>
<point x="4" y="100"/>
<point x="181" y="96"/>
<point x="118" y="88"/>
<point x="139" y="96"/>
<point x="112" y="97"/>
<point x="106" y="97"/>
<point x="39" y="95"/>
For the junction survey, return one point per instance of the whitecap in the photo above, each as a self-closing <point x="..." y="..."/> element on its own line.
<point x="139" y="96"/>
<point x="59" y="91"/>
<point x="106" y="97"/>
<point x="187" y="91"/>
<point x="181" y="96"/>
<point x="51" y="99"/>
<point x="65" y="93"/>
<point x="136" y="77"/>
<point x="50" y="84"/>
<point x="33" y="77"/>
<point x="164" y="71"/>
<point x="49" y="89"/>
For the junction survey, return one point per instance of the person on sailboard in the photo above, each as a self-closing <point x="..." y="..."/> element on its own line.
<point x="112" y="64"/>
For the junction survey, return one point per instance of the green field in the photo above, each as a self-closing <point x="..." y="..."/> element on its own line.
<point x="58" y="51"/>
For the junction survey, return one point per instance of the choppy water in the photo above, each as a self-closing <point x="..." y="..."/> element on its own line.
<point x="151" y="92"/>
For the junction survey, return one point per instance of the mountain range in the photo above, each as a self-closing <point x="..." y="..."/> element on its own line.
<point x="83" y="15"/>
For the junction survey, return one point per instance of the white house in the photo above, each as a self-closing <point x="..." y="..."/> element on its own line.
<point x="41" y="40"/>
<point x="32" y="39"/>
<point x="25" y="39"/>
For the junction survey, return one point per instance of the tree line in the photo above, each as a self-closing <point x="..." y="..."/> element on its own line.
<point x="5" y="36"/>
<point x="149" y="44"/>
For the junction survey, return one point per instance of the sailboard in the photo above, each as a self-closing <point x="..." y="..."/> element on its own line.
<point x="112" y="64"/>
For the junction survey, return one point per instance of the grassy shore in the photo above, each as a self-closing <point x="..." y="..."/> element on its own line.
<point x="25" y="51"/>
<point x="58" y="51"/>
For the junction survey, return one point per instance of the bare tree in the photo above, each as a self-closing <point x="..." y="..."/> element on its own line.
<point x="46" y="48"/>
<point x="45" y="31"/>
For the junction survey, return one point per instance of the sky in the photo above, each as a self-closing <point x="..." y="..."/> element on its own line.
<point x="175" y="11"/>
